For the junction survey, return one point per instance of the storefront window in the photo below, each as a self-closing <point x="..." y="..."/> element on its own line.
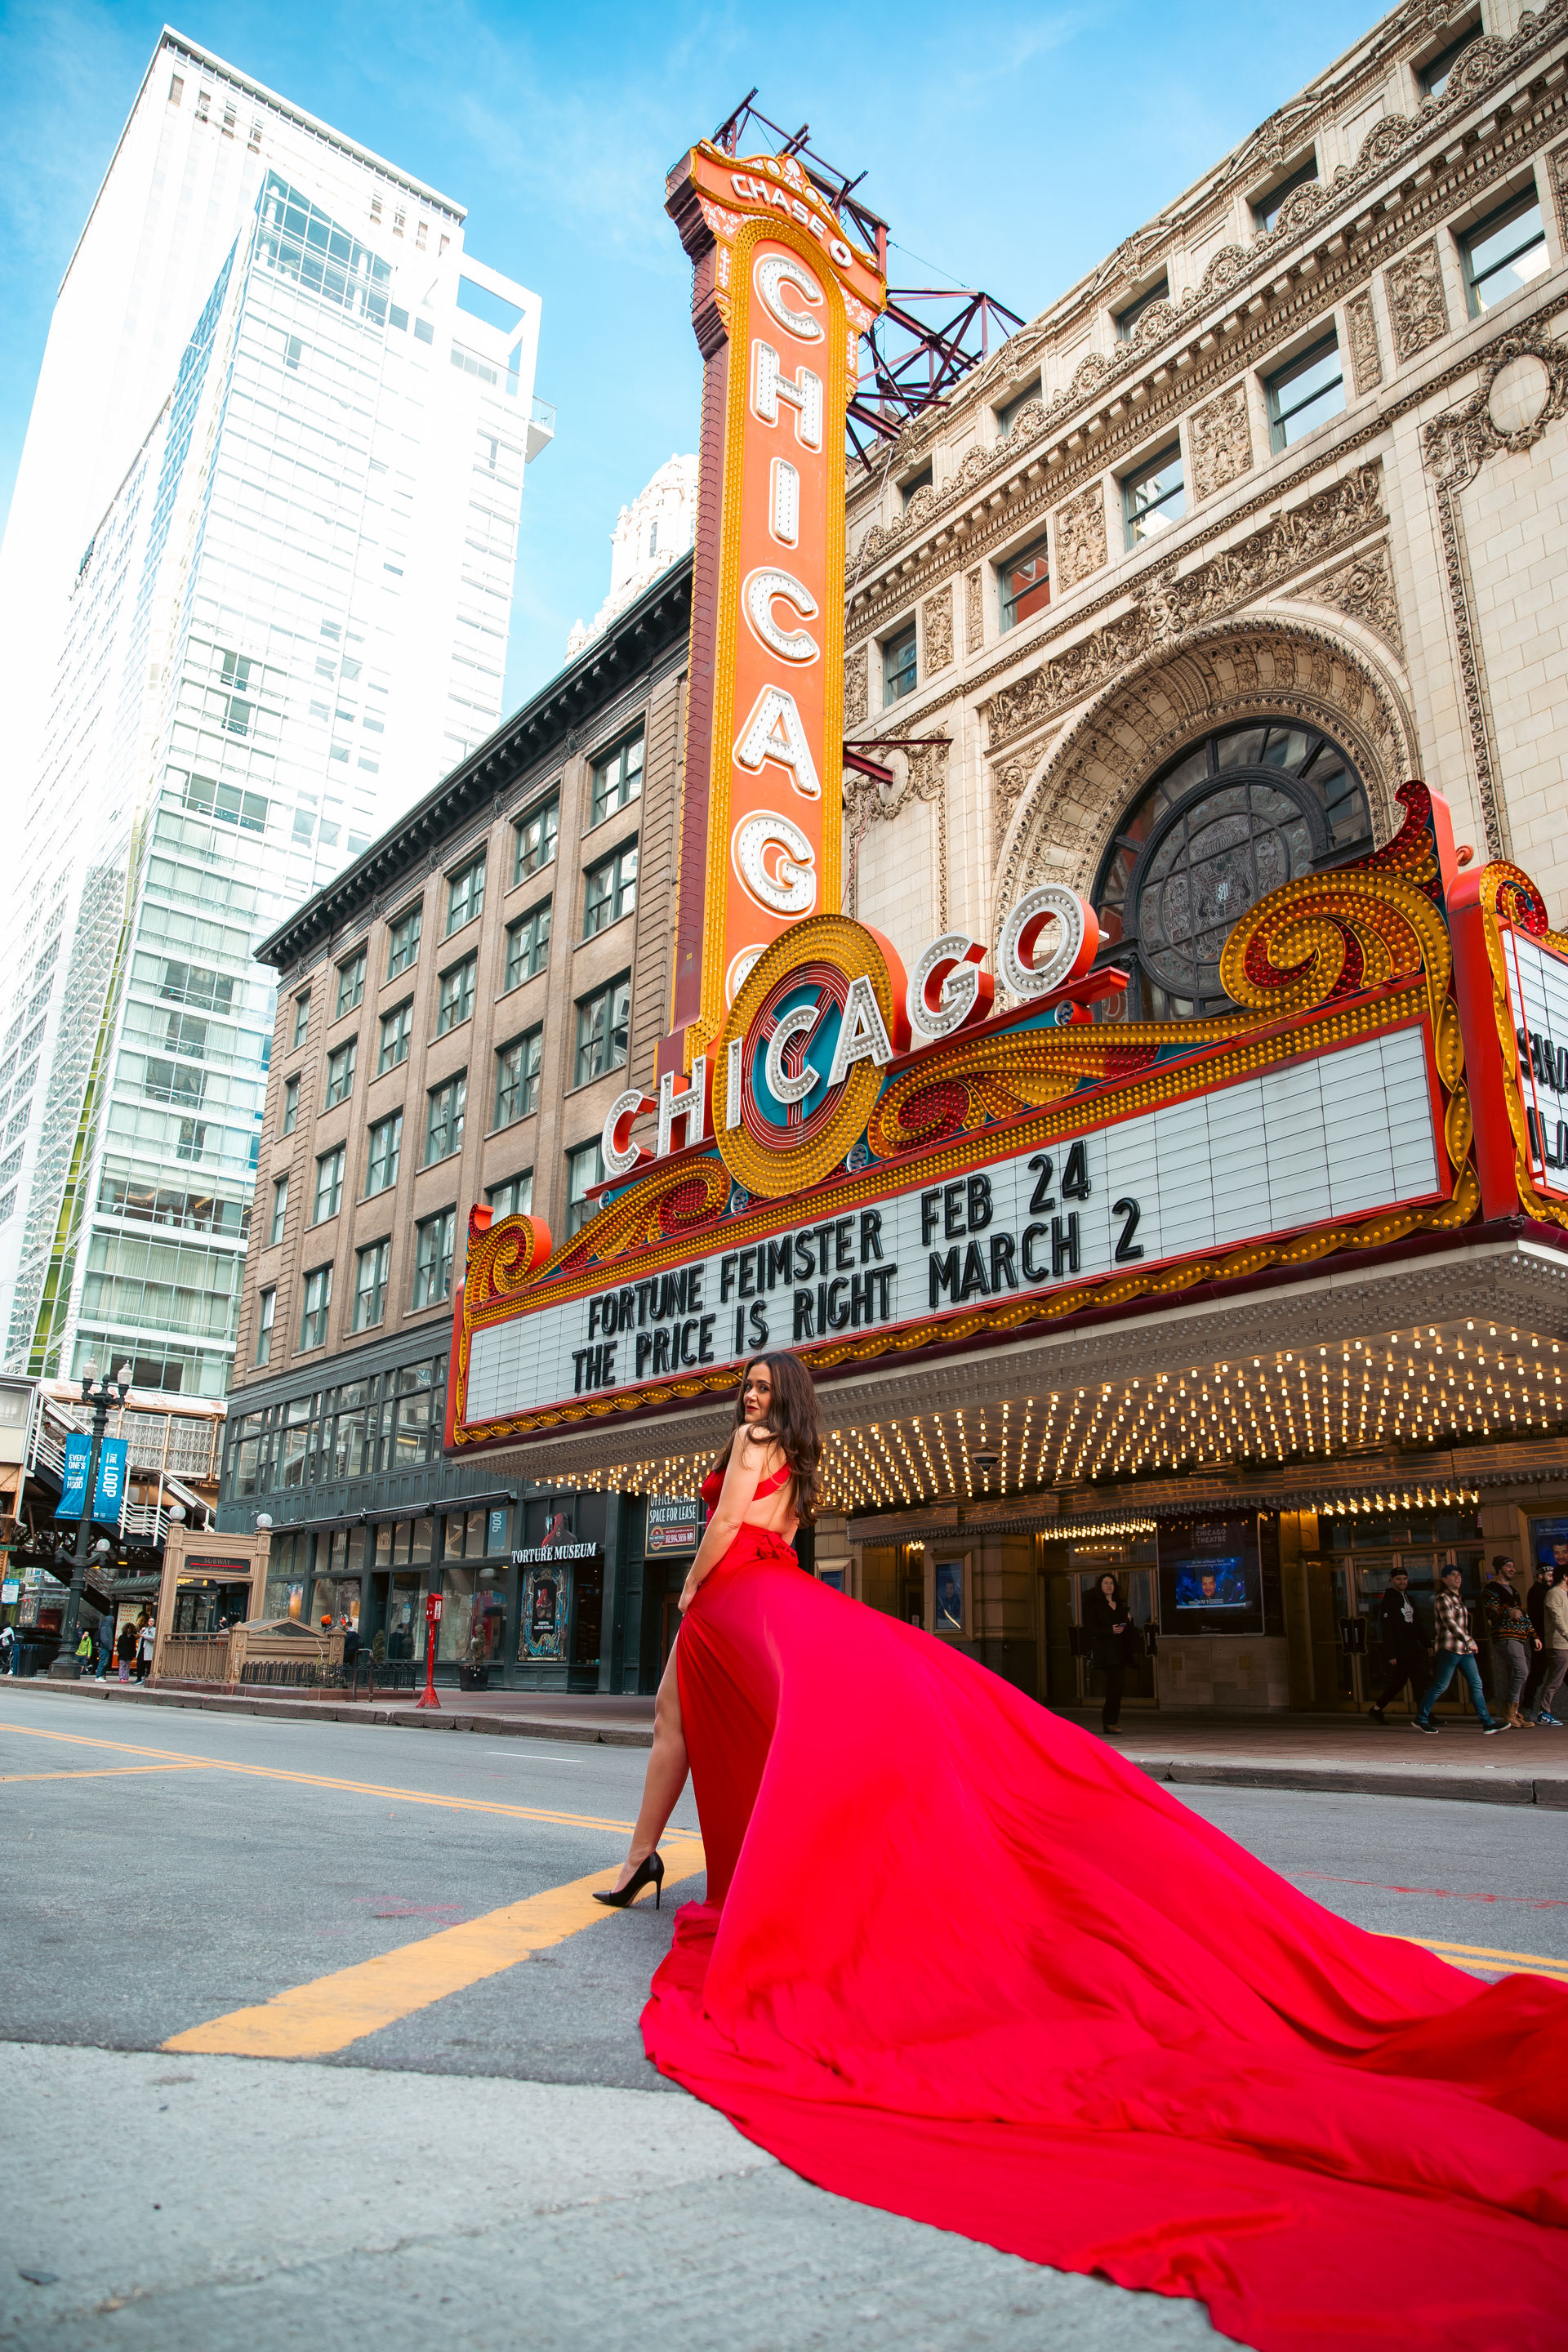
<point x="402" y="1608"/>
<point x="473" y="1619"/>
<point x="465" y="1536"/>
<point x="285" y="1597"/>
<point x="333" y="1597"/>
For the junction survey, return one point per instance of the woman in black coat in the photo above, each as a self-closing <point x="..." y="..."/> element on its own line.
<point x="1106" y="1619"/>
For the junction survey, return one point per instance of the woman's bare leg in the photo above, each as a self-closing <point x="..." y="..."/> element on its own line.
<point x="667" y="1769"/>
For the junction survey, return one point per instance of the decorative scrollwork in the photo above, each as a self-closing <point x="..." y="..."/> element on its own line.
<point x="970" y="1084"/>
<point x="668" y="1201"/>
<point x="1328" y="936"/>
<point x="1509" y="896"/>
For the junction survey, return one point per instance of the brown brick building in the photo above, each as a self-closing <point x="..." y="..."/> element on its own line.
<point x="454" y="1016"/>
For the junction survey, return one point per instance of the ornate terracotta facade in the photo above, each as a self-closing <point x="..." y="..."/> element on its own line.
<point x="1381" y="572"/>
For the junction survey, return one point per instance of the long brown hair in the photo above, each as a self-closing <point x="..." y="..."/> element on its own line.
<point x="792" y="1423"/>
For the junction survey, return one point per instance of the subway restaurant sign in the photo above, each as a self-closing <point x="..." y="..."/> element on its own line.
<point x="878" y="1165"/>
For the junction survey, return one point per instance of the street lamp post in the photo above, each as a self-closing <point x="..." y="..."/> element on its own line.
<point x="100" y="1395"/>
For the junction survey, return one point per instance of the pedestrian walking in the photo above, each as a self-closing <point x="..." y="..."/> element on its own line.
<point x="146" y="1642"/>
<point x="105" y="1643"/>
<point x="7" y="1650"/>
<point x="1108" y="1623"/>
<point x="1513" y="1638"/>
<point x="83" y="1653"/>
<point x="1540" y="1585"/>
<point x="1403" y="1650"/>
<point x="125" y="1650"/>
<point x="1554" y="1618"/>
<point x="1455" y="1654"/>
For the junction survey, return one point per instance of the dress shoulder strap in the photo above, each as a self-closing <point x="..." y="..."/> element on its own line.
<point x="770" y="1485"/>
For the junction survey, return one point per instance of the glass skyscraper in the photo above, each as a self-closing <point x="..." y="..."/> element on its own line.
<point x="288" y="619"/>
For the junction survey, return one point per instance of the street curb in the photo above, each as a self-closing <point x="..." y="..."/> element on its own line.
<point x="1339" y="1779"/>
<point x="1324" y="1779"/>
<point x="400" y="1719"/>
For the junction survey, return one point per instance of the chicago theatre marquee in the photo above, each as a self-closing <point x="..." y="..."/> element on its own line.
<point x="1245" y="1303"/>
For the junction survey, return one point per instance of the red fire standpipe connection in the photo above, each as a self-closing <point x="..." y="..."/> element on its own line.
<point x="432" y="1619"/>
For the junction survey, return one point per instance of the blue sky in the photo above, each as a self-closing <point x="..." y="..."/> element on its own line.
<point x="1009" y="148"/>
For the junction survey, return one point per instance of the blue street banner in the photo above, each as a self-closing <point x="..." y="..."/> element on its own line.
<point x="73" y="1495"/>
<point x="109" y="1496"/>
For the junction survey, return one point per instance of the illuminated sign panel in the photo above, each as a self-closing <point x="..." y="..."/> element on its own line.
<point x="781" y="300"/>
<point x="1537" y="980"/>
<point x="890" y="1165"/>
<point x="1511" y="974"/>
<point x="1348" y="1131"/>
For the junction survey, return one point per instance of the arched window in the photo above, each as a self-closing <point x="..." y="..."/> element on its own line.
<point x="1224" y="822"/>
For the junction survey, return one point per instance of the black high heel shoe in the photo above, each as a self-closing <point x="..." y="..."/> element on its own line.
<point x="649" y="1872"/>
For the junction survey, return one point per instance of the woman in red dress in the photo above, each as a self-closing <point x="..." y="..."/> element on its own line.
<point x="959" y="1961"/>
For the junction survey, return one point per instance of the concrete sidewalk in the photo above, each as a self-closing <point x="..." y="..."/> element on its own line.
<point x="1347" y="1754"/>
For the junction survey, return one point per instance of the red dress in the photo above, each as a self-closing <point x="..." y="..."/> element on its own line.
<point x="959" y="1962"/>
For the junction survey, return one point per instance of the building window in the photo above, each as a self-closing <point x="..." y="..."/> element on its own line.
<point x="318" y="1299"/>
<point x="1155" y="496"/>
<point x="340" y="1074"/>
<point x="455" y="997"/>
<point x="403" y="940"/>
<point x="517" y="1077"/>
<point x="1127" y="320"/>
<point x="301" y="1018"/>
<point x="512" y="1198"/>
<point x="1008" y="413"/>
<point x="602" y="1023"/>
<point x="329" y="1185"/>
<point x="618" y="779"/>
<point x="1267" y="209"/>
<point x="1228" y="819"/>
<point x="280" y="1211"/>
<point x="609" y="890"/>
<point x="444" y="1119"/>
<point x="923" y="480"/>
<point x="1026" y="585"/>
<point x="290" y="1106"/>
<point x="1433" y="76"/>
<point x="1503" y="253"/>
<point x="900" y="666"/>
<point x="433" y="1258"/>
<point x="385" y="1150"/>
<point x="1306" y="393"/>
<point x="372" y="1266"/>
<point x="528" y="945"/>
<point x="396" y="1028"/>
<point x="536" y="840"/>
<point x="350" y="984"/>
<point x="585" y="1167"/>
<point x="268" y="1309"/>
<point x="465" y="894"/>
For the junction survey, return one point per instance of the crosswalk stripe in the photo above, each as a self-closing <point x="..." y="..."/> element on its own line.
<point x="316" y="2020"/>
<point x="326" y="1781"/>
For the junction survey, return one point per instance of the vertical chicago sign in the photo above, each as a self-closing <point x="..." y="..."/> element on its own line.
<point x="780" y="301"/>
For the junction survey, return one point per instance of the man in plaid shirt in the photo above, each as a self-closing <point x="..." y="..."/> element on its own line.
<point x="1455" y="1653"/>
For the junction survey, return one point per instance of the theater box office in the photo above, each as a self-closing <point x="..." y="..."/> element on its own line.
<point x="1246" y="1309"/>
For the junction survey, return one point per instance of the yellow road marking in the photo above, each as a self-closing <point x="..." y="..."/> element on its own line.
<point x="105" y="1771"/>
<point x="323" y="1780"/>
<point x="1538" y="1963"/>
<point x="312" y="2021"/>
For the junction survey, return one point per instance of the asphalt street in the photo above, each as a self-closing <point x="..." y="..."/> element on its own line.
<point x="406" y="2089"/>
